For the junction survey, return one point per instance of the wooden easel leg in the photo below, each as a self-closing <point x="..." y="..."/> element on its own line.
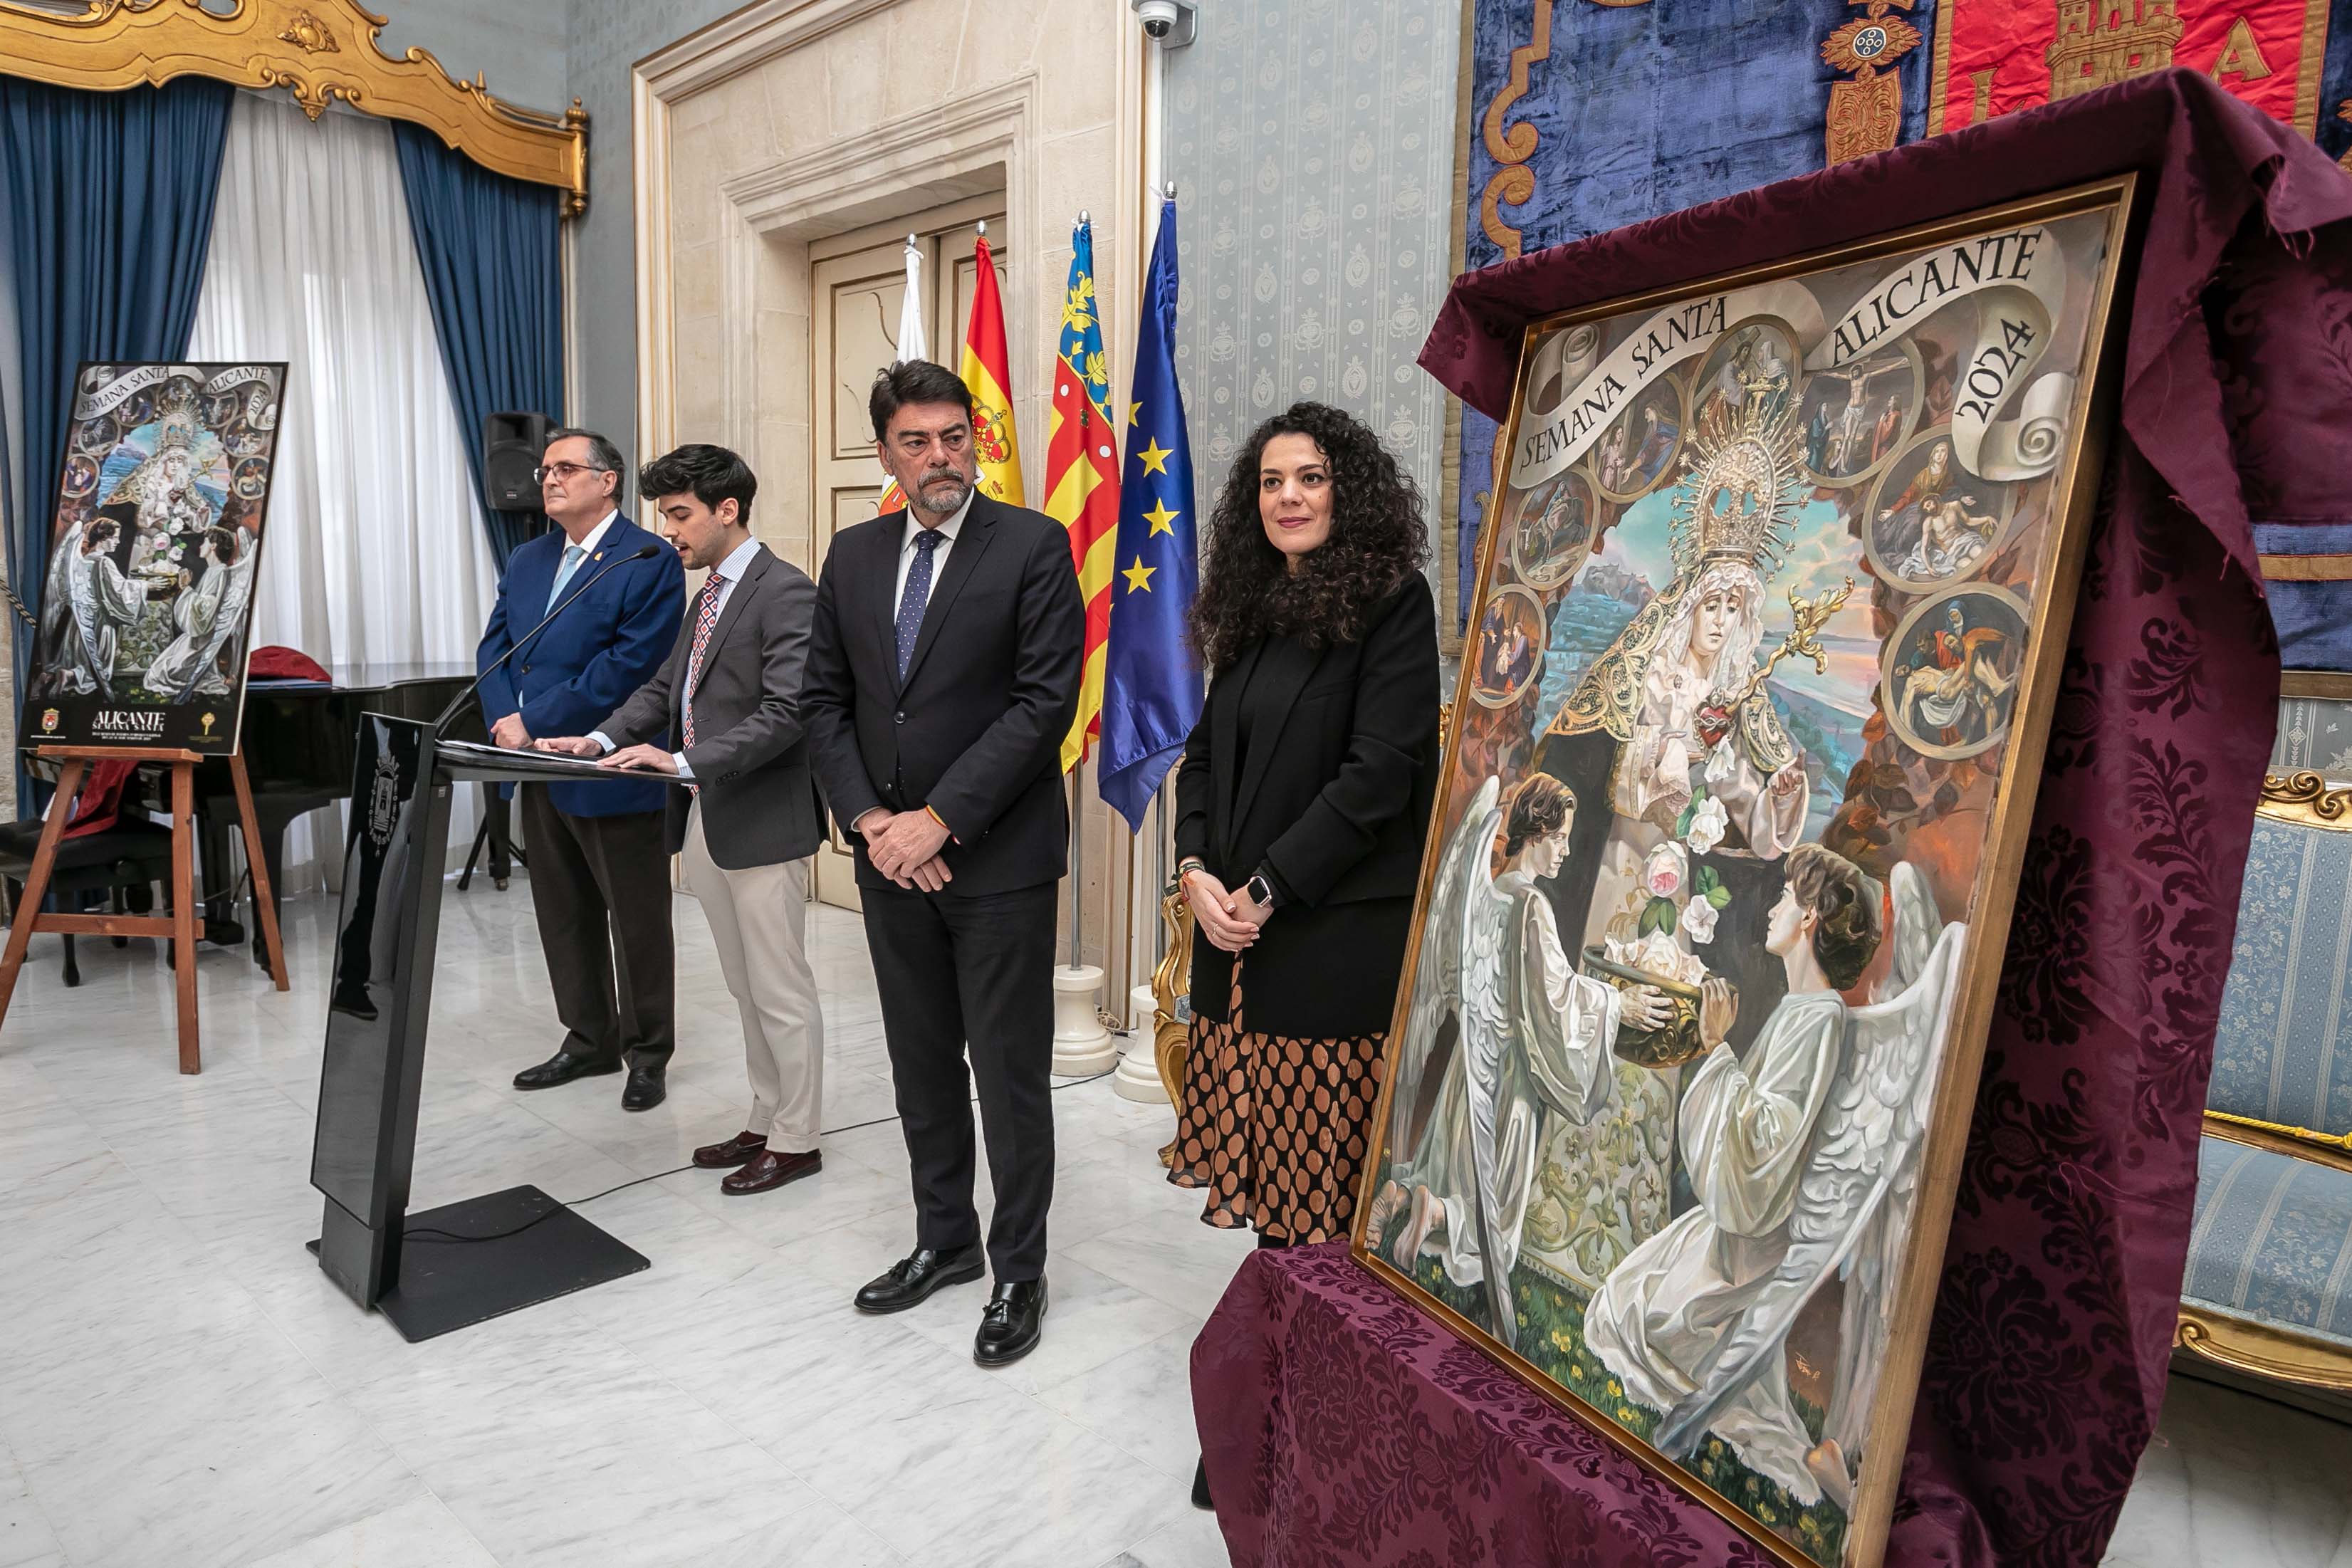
<point x="183" y="911"/>
<point x="264" y="898"/>
<point x="37" y="880"/>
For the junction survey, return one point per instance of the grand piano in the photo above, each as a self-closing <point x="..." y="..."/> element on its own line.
<point x="298" y="741"/>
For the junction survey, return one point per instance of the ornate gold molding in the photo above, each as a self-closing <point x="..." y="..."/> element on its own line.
<point x="320" y="51"/>
<point x="2304" y="798"/>
<point x="1170" y="1035"/>
<point x="2258" y="1349"/>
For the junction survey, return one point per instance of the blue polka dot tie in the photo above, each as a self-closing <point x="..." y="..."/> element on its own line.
<point x="917" y="595"/>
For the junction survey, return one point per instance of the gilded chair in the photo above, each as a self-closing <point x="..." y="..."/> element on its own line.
<point x="2268" y="1291"/>
<point x="1171" y="997"/>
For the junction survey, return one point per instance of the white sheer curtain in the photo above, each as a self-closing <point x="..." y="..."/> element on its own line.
<point x="374" y="551"/>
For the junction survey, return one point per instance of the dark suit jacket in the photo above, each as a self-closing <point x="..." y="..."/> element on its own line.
<point x="749" y="756"/>
<point x="1331" y="801"/>
<point x="975" y="731"/>
<point x="610" y="639"/>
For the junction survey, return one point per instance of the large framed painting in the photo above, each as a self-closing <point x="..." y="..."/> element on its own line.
<point x="1751" y="719"/>
<point x="147" y="605"/>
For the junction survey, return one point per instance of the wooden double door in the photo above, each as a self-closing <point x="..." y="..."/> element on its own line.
<point x="859" y="287"/>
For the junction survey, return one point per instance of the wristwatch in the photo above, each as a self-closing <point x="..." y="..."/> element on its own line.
<point x="1260" y="891"/>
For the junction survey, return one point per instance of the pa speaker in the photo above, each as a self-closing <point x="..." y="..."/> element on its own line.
<point x="513" y="444"/>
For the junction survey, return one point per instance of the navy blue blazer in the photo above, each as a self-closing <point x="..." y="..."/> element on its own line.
<point x="612" y="640"/>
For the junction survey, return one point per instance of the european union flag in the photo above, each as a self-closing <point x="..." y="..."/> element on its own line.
<point x="1152" y="687"/>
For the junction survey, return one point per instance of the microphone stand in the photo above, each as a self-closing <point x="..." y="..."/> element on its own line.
<point x="644" y="553"/>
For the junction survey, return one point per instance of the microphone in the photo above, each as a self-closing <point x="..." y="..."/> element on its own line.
<point x="644" y="553"/>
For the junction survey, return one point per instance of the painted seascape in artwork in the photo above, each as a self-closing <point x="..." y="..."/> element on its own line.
<point x="1734" y="738"/>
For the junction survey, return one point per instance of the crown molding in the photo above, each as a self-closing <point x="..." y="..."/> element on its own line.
<point x="321" y="50"/>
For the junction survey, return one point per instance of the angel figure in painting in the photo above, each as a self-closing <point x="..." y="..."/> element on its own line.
<point x="1531" y="1046"/>
<point x="1854" y="1203"/>
<point x="1751" y="1126"/>
<point x="100" y="601"/>
<point x="208" y="611"/>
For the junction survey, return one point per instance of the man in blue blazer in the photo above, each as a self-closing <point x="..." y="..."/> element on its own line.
<point x="599" y="864"/>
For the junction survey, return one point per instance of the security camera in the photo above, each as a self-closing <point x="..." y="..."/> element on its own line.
<point x="1168" y="23"/>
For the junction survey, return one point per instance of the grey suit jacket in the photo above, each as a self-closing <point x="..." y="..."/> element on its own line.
<point x="749" y="756"/>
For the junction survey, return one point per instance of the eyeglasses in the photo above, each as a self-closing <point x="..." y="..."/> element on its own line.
<point x="563" y="471"/>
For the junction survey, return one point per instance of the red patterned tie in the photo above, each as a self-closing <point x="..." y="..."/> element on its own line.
<point x="705" y="617"/>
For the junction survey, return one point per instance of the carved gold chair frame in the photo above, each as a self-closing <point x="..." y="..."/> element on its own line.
<point x="2227" y="1340"/>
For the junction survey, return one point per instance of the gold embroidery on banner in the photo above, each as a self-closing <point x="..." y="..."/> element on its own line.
<point x="1513" y="146"/>
<point x="2344" y="113"/>
<point x="2103" y="42"/>
<point x="1865" y="114"/>
<point x="1981" y="107"/>
<point x="2240" y="55"/>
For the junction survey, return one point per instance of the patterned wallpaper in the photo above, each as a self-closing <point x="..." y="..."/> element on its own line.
<point x="1311" y="144"/>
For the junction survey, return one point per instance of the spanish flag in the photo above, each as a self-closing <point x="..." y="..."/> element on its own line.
<point x="1082" y="475"/>
<point x="987" y="373"/>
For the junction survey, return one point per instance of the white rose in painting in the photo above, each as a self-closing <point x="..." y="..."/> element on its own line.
<point x="1722" y="761"/>
<point x="1698" y="918"/>
<point x="1656" y="954"/>
<point x="1706" y="827"/>
<point x="1662" y="872"/>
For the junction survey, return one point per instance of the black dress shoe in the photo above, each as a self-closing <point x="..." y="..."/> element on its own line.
<point x="646" y="1087"/>
<point x="912" y="1279"/>
<point x="1011" y="1323"/>
<point x="562" y="1067"/>
<point x="1201" y="1486"/>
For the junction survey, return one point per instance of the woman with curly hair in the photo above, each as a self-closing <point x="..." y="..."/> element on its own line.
<point x="1300" y="806"/>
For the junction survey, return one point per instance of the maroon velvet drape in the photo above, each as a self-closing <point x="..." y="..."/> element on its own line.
<point x="2046" y="1364"/>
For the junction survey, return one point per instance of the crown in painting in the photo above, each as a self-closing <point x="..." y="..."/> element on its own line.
<point x="177" y="414"/>
<point x="1741" y="485"/>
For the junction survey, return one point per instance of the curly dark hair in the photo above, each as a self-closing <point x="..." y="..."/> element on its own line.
<point x="1541" y="807"/>
<point x="1849" y="924"/>
<point x="1377" y="538"/>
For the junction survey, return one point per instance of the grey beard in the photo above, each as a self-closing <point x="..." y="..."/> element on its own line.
<point x="946" y="504"/>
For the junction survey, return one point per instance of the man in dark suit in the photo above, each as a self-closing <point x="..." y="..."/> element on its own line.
<point x="599" y="874"/>
<point x="943" y="675"/>
<point x="726" y="710"/>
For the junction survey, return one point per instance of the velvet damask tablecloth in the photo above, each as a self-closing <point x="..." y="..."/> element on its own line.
<point x="1340" y="1426"/>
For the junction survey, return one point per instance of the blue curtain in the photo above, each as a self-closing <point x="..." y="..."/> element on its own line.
<point x="490" y="247"/>
<point x="111" y="213"/>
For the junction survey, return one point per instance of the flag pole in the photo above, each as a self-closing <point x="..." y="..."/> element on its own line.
<point x="1077" y="854"/>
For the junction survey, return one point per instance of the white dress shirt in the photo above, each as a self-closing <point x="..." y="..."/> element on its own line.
<point x="947" y="532"/>
<point x="729" y="572"/>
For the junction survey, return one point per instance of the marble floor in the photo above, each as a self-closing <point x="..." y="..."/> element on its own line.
<point x="179" y="1384"/>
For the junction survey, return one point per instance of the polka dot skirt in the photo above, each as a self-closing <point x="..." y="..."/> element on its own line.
<point x="1274" y="1128"/>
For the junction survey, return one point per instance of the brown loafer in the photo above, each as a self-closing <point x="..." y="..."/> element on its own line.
<point x="771" y="1170"/>
<point x="739" y="1149"/>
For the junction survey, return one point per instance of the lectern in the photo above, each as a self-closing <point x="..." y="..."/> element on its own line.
<point x="448" y="1267"/>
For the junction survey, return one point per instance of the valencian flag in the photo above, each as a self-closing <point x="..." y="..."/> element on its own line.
<point x="911" y="346"/>
<point x="1151" y="688"/>
<point x="987" y="373"/>
<point x="1081" y="475"/>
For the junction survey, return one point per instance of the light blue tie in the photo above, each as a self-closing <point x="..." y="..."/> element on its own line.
<point x="572" y="555"/>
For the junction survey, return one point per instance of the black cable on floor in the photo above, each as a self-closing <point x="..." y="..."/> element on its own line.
<point x="451" y="1235"/>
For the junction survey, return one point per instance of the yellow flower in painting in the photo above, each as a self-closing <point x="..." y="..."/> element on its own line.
<point x="1765" y="1514"/>
<point x="1614" y="1389"/>
<point x="1576" y="1371"/>
<point x="1562" y="1343"/>
<point x="1625" y="1415"/>
<point x="1522" y="1318"/>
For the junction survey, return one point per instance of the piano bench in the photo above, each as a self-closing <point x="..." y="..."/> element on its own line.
<point x="128" y="857"/>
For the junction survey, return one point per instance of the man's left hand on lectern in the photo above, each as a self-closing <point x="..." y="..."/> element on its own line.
<point x="509" y="733"/>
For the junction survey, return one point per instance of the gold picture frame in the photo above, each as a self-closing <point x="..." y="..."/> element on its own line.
<point x="1389" y="1217"/>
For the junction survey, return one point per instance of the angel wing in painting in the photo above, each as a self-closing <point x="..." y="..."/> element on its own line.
<point x="1854" y="1206"/>
<point x="1532" y="1040"/>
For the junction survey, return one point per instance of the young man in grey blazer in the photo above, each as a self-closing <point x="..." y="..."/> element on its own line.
<point x="726" y="712"/>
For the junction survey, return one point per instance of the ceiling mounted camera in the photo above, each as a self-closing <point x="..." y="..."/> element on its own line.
<point x="1168" y="23"/>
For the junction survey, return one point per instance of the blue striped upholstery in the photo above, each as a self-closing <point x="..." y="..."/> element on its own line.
<point x="2283" y="1050"/>
<point x="2273" y="1240"/>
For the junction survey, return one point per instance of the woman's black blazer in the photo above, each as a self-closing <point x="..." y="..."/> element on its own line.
<point x="1332" y="803"/>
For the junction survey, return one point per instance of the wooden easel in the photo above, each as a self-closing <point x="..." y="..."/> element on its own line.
<point x="181" y="925"/>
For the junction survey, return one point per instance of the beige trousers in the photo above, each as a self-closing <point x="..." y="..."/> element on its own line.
<point x="758" y="920"/>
